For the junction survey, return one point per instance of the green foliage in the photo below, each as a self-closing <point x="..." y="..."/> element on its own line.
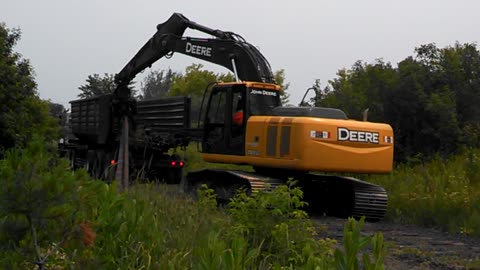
<point x="218" y="253"/>
<point x="430" y="100"/>
<point x="362" y="87"/>
<point x="194" y="161"/>
<point x="39" y="206"/>
<point x="43" y="206"/>
<point x="279" y="76"/>
<point x="157" y="84"/>
<point x="273" y="221"/>
<point x="56" y="110"/>
<point x="195" y="79"/>
<point x="206" y="197"/>
<point x="193" y="83"/>
<point x="22" y="113"/>
<point x="97" y="86"/>
<point x="30" y="116"/>
<point x="354" y="243"/>
<point x="443" y="193"/>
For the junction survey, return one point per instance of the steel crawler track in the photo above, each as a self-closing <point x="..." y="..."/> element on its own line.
<point x="325" y="194"/>
<point x="344" y="197"/>
<point x="227" y="182"/>
<point x="370" y="201"/>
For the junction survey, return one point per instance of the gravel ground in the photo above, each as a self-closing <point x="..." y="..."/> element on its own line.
<point x="412" y="247"/>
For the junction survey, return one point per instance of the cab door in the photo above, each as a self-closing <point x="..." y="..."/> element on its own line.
<point x="221" y="134"/>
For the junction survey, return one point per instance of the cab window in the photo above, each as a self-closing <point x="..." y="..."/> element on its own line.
<point x="216" y="113"/>
<point x="263" y="101"/>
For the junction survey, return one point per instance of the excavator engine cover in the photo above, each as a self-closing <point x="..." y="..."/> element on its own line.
<point x="308" y="143"/>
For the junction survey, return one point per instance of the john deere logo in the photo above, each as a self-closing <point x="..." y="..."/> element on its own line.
<point x="198" y="50"/>
<point x="344" y="134"/>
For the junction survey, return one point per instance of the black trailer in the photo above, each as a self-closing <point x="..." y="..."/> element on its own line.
<point x="157" y="128"/>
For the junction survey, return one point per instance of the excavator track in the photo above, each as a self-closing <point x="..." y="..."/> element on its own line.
<point x="325" y="194"/>
<point x="227" y="183"/>
<point x="258" y="182"/>
<point x="344" y="197"/>
<point x="371" y="201"/>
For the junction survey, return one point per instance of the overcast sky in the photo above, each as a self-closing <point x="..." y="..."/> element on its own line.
<point x="68" y="40"/>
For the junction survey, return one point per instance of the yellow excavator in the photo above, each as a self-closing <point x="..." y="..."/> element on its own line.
<point x="243" y="122"/>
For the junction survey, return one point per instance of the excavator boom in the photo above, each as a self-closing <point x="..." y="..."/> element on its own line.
<point x="227" y="49"/>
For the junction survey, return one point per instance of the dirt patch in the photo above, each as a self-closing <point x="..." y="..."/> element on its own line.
<point x="413" y="247"/>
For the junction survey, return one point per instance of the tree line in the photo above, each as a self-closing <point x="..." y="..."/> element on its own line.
<point x="161" y="83"/>
<point x="430" y="99"/>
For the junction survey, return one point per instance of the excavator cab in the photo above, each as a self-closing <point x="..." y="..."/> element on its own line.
<point x="228" y="109"/>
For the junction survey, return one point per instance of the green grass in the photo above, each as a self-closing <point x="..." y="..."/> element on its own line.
<point x="441" y="193"/>
<point x="155" y="226"/>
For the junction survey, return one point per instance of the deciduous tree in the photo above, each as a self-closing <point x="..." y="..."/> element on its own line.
<point x="22" y="112"/>
<point x="156" y="84"/>
<point x="193" y="84"/>
<point x="97" y="85"/>
<point x="430" y="99"/>
<point x="279" y="76"/>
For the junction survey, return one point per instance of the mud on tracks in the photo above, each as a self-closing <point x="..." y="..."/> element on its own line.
<point x="412" y="247"/>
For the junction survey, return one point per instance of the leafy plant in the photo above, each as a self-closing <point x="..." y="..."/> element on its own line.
<point x="275" y="222"/>
<point x="442" y="193"/>
<point x="51" y="217"/>
<point x="39" y="205"/>
<point x="22" y="112"/>
<point x="354" y="243"/>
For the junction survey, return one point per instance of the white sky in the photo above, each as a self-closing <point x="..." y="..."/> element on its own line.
<point x="68" y="40"/>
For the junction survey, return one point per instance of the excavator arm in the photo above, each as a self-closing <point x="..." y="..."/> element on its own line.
<point x="226" y="49"/>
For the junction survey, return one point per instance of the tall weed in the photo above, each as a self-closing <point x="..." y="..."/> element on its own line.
<point x="441" y="193"/>
<point x="51" y="217"/>
<point x="354" y="244"/>
<point x="40" y="211"/>
<point x="157" y="227"/>
<point x="274" y="221"/>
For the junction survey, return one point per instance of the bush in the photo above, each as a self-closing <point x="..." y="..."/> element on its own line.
<point x="441" y="193"/>
<point x="53" y="218"/>
<point x="39" y="206"/>
<point x="354" y="243"/>
<point x="274" y="222"/>
<point x="22" y="112"/>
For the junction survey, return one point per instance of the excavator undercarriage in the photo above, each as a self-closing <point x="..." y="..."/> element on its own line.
<point x="344" y="197"/>
<point x="325" y="194"/>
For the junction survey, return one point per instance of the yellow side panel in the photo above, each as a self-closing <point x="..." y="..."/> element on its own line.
<point x="315" y="144"/>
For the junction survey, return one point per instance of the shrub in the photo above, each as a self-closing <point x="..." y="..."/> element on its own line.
<point x="22" y="112"/>
<point x="39" y="206"/>
<point x="275" y="222"/>
<point x="354" y="243"/>
<point x="441" y="193"/>
<point x="53" y="218"/>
